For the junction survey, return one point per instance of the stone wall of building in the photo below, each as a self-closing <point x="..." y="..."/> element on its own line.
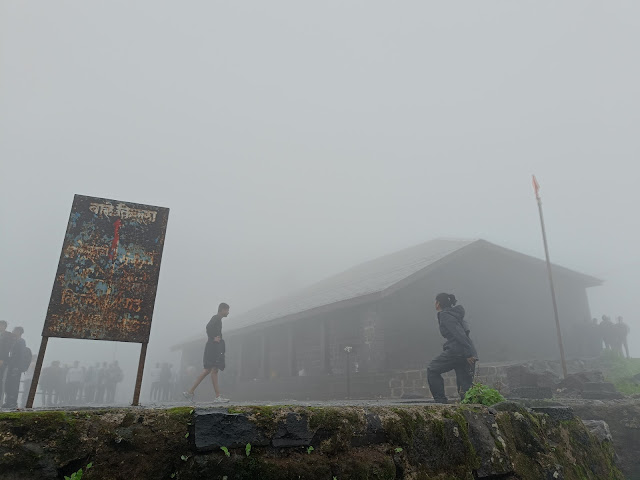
<point x="526" y="379"/>
<point x="414" y="382"/>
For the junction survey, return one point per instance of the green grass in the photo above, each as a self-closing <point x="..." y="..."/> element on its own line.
<point x="620" y="371"/>
<point x="483" y="395"/>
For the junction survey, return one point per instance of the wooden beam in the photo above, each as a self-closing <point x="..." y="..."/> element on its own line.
<point x="136" y="391"/>
<point x="36" y="372"/>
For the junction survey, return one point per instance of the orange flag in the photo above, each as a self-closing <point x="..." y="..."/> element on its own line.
<point x="536" y="187"/>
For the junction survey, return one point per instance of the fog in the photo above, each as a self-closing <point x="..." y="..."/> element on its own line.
<point x="293" y="140"/>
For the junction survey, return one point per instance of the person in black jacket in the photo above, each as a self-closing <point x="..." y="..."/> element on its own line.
<point x="14" y="372"/>
<point x="214" y="352"/>
<point x="458" y="354"/>
<point x="6" y="342"/>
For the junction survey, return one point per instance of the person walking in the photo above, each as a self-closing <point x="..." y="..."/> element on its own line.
<point x="214" y="351"/>
<point x="458" y="353"/>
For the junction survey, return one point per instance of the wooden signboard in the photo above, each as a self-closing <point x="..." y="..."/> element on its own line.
<point x="107" y="277"/>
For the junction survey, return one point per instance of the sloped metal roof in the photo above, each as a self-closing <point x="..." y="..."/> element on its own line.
<point x="362" y="280"/>
<point x="371" y="279"/>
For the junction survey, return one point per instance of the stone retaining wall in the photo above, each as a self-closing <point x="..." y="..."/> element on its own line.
<point x="374" y="442"/>
<point x="414" y="382"/>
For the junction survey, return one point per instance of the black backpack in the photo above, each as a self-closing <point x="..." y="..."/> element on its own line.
<point x="25" y="361"/>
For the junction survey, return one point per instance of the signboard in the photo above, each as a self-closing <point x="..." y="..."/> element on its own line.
<point x="107" y="277"/>
<point x="105" y="286"/>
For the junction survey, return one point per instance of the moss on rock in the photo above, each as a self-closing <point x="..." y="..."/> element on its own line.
<point x="382" y="443"/>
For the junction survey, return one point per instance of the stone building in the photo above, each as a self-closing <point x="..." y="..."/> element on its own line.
<point x="383" y="309"/>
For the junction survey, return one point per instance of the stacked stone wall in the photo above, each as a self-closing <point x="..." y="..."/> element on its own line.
<point x="414" y="382"/>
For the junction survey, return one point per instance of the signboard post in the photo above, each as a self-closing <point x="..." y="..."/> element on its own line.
<point x="106" y="282"/>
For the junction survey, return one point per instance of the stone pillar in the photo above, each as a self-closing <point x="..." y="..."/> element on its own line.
<point x="373" y="339"/>
<point x="325" y="360"/>
<point x="291" y="352"/>
<point x="240" y="355"/>
<point x="264" y="355"/>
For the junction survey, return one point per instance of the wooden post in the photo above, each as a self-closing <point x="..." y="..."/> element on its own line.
<point x="36" y="372"/>
<point x="136" y="391"/>
<point x="553" y="291"/>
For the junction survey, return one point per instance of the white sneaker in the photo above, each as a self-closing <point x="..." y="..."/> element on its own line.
<point x="188" y="396"/>
<point x="221" y="400"/>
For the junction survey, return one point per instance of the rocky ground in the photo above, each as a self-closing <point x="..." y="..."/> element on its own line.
<point x="358" y="440"/>
<point x="622" y="419"/>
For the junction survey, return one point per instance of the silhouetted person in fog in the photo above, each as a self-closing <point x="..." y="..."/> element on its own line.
<point x="91" y="383"/>
<point x="64" y="387"/>
<point x="74" y="383"/>
<point x="15" y="367"/>
<point x="6" y="341"/>
<point x="186" y="379"/>
<point x="154" y="375"/>
<point x="608" y="332"/>
<point x="214" y="351"/>
<point x="102" y="383"/>
<point x="458" y="354"/>
<point x="113" y="376"/>
<point x="595" y="338"/>
<point x="27" y="378"/>
<point x="621" y="333"/>
<point x="51" y="383"/>
<point x="165" y="382"/>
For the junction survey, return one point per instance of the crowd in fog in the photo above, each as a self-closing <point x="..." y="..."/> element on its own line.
<point x="78" y="385"/>
<point x="59" y="384"/>
<point x="591" y="337"/>
<point x="165" y="382"/>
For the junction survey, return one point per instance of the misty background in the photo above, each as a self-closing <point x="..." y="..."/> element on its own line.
<point x="292" y="140"/>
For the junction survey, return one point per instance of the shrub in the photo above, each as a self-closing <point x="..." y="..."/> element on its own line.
<point x="483" y="395"/>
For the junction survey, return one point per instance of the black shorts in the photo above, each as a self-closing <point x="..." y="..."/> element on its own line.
<point x="214" y="355"/>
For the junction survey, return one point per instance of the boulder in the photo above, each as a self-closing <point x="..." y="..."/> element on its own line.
<point x="600" y="429"/>
<point x="600" y="391"/>
<point x="556" y="414"/>
<point x="293" y="432"/>
<point x="522" y="376"/>
<point x="217" y="428"/>
<point x="623" y="420"/>
<point x="486" y="439"/>
<point x="575" y="382"/>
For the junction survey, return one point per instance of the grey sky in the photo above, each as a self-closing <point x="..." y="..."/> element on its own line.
<point x="294" y="139"/>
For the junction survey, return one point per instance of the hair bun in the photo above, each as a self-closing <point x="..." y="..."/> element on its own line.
<point x="452" y="299"/>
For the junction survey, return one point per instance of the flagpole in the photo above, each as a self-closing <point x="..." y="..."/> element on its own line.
<point x="536" y="187"/>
